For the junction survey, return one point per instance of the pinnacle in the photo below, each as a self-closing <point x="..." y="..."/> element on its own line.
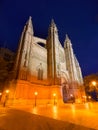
<point x="67" y="38"/>
<point x="30" y="18"/>
<point x="67" y="41"/>
<point x="29" y="25"/>
<point x="29" y="22"/>
<point x="53" y="23"/>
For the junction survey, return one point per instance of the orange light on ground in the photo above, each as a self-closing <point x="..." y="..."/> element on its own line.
<point x="54" y="95"/>
<point x="0" y="94"/>
<point x="73" y="109"/>
<point x="55" y="111"/>
<point x="34" y="110"/>
<point x="7" y="91"/>
<point x="87" y="105"/>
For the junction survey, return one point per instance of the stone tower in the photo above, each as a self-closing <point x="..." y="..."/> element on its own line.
<point x="74" y="71"/>
<point x="52" y="54"/>
<point x="79" y="72"/>
<point x="70" y="60"/>
<point x="21" y="67"/>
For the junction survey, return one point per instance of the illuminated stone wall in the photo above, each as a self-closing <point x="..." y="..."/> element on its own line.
<point x="47" y="70"/>
<point x="38" y="60"/>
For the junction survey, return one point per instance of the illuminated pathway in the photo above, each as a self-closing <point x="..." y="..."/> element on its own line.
<point x="82" y="114"/>
<point x="12" y="119"/>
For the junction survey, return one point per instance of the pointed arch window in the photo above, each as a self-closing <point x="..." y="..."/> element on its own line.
<point x="40" y="72"/>
<point x="25" y="60"/>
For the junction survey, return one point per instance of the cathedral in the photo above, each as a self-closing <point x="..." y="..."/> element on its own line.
<point x="44" y="70"/>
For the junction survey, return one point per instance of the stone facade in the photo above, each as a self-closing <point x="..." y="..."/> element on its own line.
<point x="45" y="66"/>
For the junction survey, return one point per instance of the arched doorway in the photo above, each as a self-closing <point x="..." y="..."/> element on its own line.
<point x="64" y="89"/>
<point x="67" y="95"/>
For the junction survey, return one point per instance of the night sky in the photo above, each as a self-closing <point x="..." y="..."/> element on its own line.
<point x="77" y="18"/>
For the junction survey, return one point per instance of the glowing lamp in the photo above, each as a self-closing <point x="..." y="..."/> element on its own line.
<point x="36" y="93"/>
<point x="71" y="95"/>
<point x="94" y="83"/>
<point x="89" y="97"/>
<point x="54" y="94"/>
<point x="7" y="91"/>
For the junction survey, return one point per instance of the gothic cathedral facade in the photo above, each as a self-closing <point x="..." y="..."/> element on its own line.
<point x="45" y="67"/>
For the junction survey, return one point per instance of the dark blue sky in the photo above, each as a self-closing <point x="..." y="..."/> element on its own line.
<point x="77" y="18"/>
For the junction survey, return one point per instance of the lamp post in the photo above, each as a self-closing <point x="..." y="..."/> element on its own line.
<point x="94" y="85"/>
<point x="72" y="98"/>
<point x="54" y="95"/>
<point x="6" y="97"/>
<point x="36" y="93"/>
<point x="7" y="91"/>
<point x="89" y="98"/>
<point x="85" y="98"/>
<point x="0" y="95"/>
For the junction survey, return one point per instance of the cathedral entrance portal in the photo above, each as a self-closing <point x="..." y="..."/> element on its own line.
<point x="66" y="91"/>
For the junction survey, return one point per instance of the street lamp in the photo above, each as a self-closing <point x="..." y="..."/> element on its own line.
<point x="94" y="83"/>
<point x="73" y="98"/>
<point x="84" y="98"/>
<point x="95" y="88"/>
<point x="36" y="93"/>
<point x="71" y="95"/>
<point x="0" y="95"/>
<point x="89" y="97"/>
<point x="54" y="95"/>
<point x="7" y="91"/>
<point x="6" y="97"/>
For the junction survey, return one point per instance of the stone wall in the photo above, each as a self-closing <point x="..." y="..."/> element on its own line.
<point x="23" y="92"/>
<point x="38" y="60"/>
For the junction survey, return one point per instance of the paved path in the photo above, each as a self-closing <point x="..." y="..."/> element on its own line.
<point x="80" y="114"/>
<point x="20" y="120"/>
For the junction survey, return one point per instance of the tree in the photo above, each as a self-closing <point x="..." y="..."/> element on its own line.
<point x="5" y="69"/>
<point x="91" y="85"/>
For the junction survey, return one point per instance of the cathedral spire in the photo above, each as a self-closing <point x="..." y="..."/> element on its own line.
<point x="24" y="49"/>
<point x="52" y="48"/>
<point x="29" y="25"/>
<point x="29" y="20"/>
<point x="67" y="38"/>
<point x="52" y="28"/>
<point x="67" y="41"/>
<point x="53" y="23"/>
